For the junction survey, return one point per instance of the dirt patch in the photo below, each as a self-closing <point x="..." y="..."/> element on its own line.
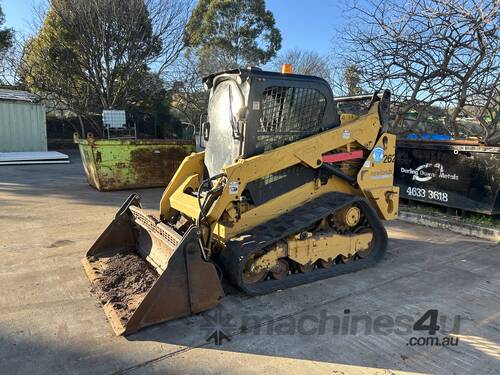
<point x="125" y="279"/>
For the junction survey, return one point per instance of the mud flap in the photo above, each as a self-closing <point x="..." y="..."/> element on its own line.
<point x="186" y="283"/>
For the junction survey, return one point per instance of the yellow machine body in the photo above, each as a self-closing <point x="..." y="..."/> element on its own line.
<point x="375" y="178"/>
<point x="326" y="226"/>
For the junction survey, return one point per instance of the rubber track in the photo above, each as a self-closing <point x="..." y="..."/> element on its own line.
<point x="239" y="248"/>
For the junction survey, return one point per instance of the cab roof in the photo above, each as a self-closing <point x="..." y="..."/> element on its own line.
<point x="253" y="71"/>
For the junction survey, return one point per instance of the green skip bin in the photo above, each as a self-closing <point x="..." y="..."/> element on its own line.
<point x="118" y="164"/>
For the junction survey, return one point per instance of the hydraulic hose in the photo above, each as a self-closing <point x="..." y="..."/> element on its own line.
<point x="202" y="206"/>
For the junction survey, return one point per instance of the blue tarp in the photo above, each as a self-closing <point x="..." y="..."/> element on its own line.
<point x="427" y="136"/>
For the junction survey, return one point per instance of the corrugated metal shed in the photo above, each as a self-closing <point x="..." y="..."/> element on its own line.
<point x="22" y="122"/>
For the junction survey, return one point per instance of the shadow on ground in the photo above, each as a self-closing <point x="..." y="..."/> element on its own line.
<point x="20" y="182"/>
<point x="409" y="281"/>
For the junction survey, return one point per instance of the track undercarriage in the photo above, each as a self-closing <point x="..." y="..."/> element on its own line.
<point x="339" y="233"/>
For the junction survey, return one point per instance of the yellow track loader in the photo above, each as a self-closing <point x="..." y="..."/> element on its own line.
<point x="286" y="192"/>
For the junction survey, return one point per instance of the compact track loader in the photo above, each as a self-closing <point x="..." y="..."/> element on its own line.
<point x="286" y="192"/>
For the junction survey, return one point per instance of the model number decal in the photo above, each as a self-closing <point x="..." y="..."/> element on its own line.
<point x="427" y="193"/>
<point x="389" y="158"/>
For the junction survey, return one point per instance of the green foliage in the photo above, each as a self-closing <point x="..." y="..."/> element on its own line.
<point x="47" y="65"/>
<point x="6" y="35"/>
<point x="231" y="33"/>
<point x="153" y="116"/>
<point x="90" y="56"/>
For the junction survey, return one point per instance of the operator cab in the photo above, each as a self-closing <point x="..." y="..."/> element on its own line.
<point x="251" y="111"/>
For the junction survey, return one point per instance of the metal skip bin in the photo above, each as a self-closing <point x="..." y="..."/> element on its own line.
<point x="117" y="164"/>
<point x="456" y="174"/>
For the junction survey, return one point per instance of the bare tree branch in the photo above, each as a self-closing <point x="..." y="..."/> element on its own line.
<point x="430" y="53"/>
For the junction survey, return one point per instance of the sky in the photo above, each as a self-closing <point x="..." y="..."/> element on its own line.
<point x="304" y="24"/>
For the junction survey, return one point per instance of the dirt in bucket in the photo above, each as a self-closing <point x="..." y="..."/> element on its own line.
<point x="124" y="281"/>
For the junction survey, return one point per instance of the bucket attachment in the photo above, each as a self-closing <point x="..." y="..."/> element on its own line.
<point x="145" y="273"/>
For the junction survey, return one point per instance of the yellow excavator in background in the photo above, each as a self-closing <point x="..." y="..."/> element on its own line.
<point x="286" y="192"/>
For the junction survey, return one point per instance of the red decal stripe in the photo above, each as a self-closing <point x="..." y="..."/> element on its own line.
<point x="341" y="156"/>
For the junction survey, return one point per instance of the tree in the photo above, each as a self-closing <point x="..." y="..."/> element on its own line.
<point x="304" y="62"/>
<point x="484" y="104"/>
<point x="345" y="78"/>
<point x="152" y="114"/>
<point x="6" y="35"/>
<point x="189" y="98"/>
<point x="91" y="55"/>
<point x="232" y="33"/>
<point x="352" y="79"/>
<point x="433" y="52"/>
<point x="6" y="41"/>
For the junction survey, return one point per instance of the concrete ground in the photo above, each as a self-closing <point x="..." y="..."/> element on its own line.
<point x="356" y="323"/>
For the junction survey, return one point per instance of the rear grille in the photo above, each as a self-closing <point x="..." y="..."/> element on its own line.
<point x="288" y="114"/>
